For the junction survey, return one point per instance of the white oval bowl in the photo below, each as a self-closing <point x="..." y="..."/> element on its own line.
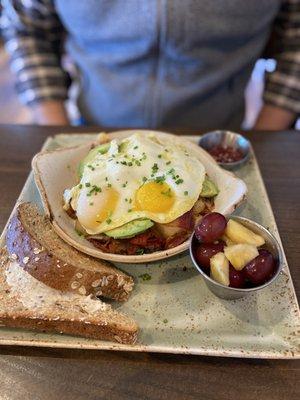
<point x="56" y="170"/>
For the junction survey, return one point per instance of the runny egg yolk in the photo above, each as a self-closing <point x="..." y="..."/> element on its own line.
<point x="154" y="197"/>
<point x="93" y="210"/>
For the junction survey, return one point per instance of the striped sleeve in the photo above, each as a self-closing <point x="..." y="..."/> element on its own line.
<point x="283" y="85"/>
<point x="33" y="37"/>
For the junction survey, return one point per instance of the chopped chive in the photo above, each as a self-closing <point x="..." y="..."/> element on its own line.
<point x="145" y="277"/>
<point x="80" y="185"/>
<point x="159" y="156"/>
<point x="179" y="181"/>
<point x="167" y="193"/>
<point x="168" y="162"/>
<point x="144" y="179"/>
<point x="109" y="185"/>
<point x="136" y="147"/>
<point x="108" y="221"/>
<point x="130" y="201"/>
<point x="160" y="179"/>
<point x="186" y="192"/>
<point x="130" y="210"/>
<point x="91" y="203"/>
<point x="130" y="164"/>
<point x="140" y="251"/>
<point x="87" y="184"/>
<point x="154" y="168"/>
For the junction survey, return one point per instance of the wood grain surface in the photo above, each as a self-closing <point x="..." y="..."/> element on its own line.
<point x="32" y="373"/>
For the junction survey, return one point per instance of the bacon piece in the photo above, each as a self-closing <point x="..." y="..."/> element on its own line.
<point x="177" y="239"/>
<point x="148" y="240"/>
<point x="161" y="236"/>
<point x="186" y="221"/>
<point x="132" y="249"/>
<point x="71" y="213"/>
<point x="110" y="246"/>
<point x="181" y="224"/>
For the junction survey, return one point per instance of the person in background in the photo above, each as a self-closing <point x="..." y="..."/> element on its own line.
<point x="155" y="62"/>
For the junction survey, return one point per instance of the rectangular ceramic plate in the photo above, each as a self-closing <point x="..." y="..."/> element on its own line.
<point x="175" y="310"/>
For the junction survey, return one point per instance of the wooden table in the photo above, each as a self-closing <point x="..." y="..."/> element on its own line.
<point x="32" y="373"/>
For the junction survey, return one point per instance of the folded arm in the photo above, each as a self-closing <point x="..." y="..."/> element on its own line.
<point x="282" y="91"/>
<point x="34" y="37"/>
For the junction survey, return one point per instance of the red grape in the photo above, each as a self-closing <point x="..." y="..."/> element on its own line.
<point x="211" y="227"/>
<point x="261" y="268"/>
<point x="205" y="251"/>
<point x="236" y="278"/>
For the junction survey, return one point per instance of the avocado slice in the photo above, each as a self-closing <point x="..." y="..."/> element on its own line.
<point x="209" y="189"/>
<point x="102" y="149"/>
<point x="130" y="229"/>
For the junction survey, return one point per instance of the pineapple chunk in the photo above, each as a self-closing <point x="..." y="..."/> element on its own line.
<point x="238" y="233"/>
<point x="240" y="254"/>
<point x="219" y="268"/>
<point x="228" y="241"/>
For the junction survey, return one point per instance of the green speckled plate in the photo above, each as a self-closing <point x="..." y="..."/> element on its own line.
<point x="175" y="310"/>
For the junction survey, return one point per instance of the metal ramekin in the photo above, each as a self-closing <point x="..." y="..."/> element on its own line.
<point x="229" y="293"/>
<point x="227" y="138"/>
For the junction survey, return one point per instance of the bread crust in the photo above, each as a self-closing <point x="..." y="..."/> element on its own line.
<point x="107" y="325"/>
<point x="76" y="328"/>
<point x="44" y="265"/>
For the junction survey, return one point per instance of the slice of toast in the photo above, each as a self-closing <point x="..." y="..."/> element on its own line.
<point x="32" y="241"/>
<point x="27" y="303"/>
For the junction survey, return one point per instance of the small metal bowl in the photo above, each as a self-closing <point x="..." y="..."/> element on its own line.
<point x="229" y="293"/>
<point x="230" y="139"/>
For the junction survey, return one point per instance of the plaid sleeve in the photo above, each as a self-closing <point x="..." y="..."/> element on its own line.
<point x="33" y="37"/>
<point x="283" y="85"/>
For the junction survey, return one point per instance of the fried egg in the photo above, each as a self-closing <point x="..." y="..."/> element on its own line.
<point x="142" y="176"/>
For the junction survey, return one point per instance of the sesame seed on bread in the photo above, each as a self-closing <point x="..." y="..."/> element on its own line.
<point x="32" y="241"/>
<point x="27" y="303"/>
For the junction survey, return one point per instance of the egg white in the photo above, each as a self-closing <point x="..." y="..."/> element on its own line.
<point x="109" y="172"/>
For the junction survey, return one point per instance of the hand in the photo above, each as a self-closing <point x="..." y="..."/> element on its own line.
<point x="274" y="118"/>
<point x="51" y="112"/>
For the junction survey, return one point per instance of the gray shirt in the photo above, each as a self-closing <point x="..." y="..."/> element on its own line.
<point x="149" y="63"/>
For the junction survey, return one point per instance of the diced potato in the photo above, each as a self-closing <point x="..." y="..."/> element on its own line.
<point x="228" y="241"/>
<point x="219" y="268"/>
<point x="102" y="137"/>
<point x="240" y="254"/>
<point x="238" y="233"/>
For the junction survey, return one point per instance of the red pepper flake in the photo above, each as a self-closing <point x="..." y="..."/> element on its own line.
<point x="225" y="154"/>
